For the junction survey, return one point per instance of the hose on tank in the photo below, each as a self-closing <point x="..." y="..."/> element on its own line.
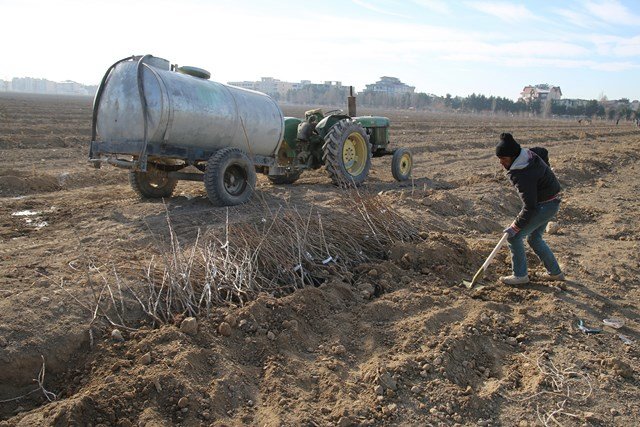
<point x="143" y="103"/>
<point x="96" y="101"/>
<point x="244" y="129"/>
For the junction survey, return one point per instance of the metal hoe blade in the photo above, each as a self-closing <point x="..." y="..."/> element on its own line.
<point x="479" y="275"/>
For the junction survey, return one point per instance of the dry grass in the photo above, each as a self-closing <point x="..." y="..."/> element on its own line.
<point x="284" y="250"/>
<point x="562" y="388"/>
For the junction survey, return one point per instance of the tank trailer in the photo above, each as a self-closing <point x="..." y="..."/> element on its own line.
<point x="167" y="123"/>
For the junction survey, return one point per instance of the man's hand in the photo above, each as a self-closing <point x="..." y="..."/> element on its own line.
<point x="511" y="231"/>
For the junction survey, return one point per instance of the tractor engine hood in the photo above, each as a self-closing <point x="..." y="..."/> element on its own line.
<point x="373" y="121"/>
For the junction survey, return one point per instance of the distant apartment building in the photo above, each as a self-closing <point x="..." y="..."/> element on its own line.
<point x="278" y="88"/>
<point x="71" y="87"/>
<point x="327" y="84"/>
<point x="621" y="103"/>
<point x="540" y="92"/>
<point x="245" y="85"/>
<point x="390" y="85"/>
<point x="31" y="85"/>
<point x="268" y="85"/>
<point x="271" y="85"/>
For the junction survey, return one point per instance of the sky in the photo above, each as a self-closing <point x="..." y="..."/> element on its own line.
<point x="588" y="48"/>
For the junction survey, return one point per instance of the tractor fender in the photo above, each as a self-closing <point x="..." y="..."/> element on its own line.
<point x="324" y="126"/>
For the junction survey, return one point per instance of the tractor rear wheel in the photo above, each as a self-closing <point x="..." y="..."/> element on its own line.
<point x="401" y="164"/>
<point x="288" y="178"/>
<point x="229" y="177"/>
<point x="347" y="153"/>
<point x="152" y="184"/>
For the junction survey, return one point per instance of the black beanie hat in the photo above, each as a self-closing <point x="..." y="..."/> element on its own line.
<point x="507" y="147"/>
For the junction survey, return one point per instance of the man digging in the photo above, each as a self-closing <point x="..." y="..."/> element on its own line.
<point x="539" y="190"/>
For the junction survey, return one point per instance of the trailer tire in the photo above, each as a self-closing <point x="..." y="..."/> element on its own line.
<point x="401" y="164"/>
<point x="152" y="184"/>
<point x="288" y="178"/>
<point x="229" y="177"/>
<point x="347" y="153"/>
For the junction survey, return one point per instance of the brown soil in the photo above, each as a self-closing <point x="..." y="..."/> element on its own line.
<point x="417" y="349"/>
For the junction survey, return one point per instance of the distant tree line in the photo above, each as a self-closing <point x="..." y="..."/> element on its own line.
<point x="474" y="103"/>
<point x="592" y="109"/>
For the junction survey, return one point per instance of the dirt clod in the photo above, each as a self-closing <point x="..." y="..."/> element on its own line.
<point x="189" y="326"/>
<point x="116" y="335"/>
<point x="619" y="367"/>
<point x="145" y="359"/>
<point x="224" y="329"/>
<point x="553" y="228"/>
<point x="183" y="402"/>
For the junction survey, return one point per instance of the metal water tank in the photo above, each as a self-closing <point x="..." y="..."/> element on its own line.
<point x="184" y="110"/>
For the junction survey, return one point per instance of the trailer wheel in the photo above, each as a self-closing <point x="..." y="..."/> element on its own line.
<point x="347" y="153"/>
<point x="401" y="164"/>
<point x="229" y="177"/>
<point x="152" y="184"/>
<point x="288" y="178"/>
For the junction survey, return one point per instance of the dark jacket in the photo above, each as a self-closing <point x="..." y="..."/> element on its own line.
<point x="535" y="183"/>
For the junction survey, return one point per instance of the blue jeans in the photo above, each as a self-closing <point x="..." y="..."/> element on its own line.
<point x="533" y="232"/>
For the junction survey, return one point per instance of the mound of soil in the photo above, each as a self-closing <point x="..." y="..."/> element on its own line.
<point x="15" y="183"/>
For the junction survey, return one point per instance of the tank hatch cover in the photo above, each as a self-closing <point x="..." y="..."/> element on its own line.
<point x="195" y="72"/>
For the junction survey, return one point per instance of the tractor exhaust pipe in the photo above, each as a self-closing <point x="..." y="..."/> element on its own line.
<point x="351" y="103"/>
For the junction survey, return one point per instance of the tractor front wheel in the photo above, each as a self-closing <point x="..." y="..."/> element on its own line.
<point x="401" y="164"/>
<point x="347" y="153"/>
<point x="229" y="177"/>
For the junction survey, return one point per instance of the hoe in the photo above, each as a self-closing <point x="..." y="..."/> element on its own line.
<point x="480" y="273"/>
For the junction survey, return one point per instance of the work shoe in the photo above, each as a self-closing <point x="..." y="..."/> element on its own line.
<point x="548" y="277"/>
<point x="514" y="280"/>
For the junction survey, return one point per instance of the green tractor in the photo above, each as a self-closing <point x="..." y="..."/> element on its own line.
<point x="343" y="144"/>
<point x="161" y="121"/>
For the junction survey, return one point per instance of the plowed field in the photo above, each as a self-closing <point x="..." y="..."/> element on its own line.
<point x="386" y="336"/>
